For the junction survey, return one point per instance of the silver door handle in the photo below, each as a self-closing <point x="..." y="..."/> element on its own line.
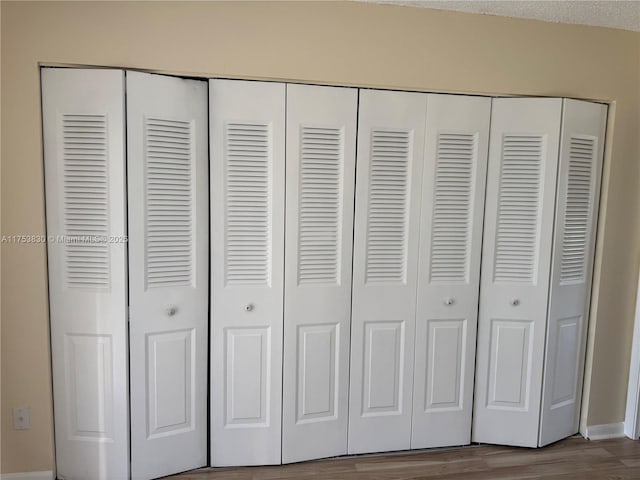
<point x="449" y="301"/>
<point x="515" y="302"/>
<point x="171" y="311"/>
<point x="248" y="307"/>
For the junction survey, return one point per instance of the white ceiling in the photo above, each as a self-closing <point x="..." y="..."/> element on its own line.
<point x="622" y="14"/>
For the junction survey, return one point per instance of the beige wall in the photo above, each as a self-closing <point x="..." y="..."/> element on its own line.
<point x="332" y="43"/>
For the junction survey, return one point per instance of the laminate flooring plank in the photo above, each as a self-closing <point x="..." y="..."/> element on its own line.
<point x="571" y="459"/>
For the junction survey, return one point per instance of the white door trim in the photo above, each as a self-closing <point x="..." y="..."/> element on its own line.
<point x="632" y="416"/>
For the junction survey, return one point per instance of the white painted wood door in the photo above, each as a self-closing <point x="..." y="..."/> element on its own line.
<point x="247" y="122"/>
<point x="579" y="172"/>
<point x="84" y="157"/>
<point x="455" y="167"/>
<point x="320" y="183"/>
<point x="391" y="132"/>
<point x="167" y="169"/>
<point x="516" y="263"/>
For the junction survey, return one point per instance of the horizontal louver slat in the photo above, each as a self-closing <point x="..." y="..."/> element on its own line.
<point x="577" y="210"/>
<point x="248" y="203"/>
<point x="169" y="202"/>
<point x="387" y="206"/>
<point x="86" y="215"/>
<point x="320" y="197"/>
<point x="452" y="203"/>
<point x="518" y="208"/>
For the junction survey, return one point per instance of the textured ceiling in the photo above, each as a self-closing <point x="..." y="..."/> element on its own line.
<point x="614" y="14"/>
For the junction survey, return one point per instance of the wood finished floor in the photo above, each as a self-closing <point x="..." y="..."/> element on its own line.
<point x="573" y="458"/>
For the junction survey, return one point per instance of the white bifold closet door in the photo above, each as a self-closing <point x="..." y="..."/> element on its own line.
<point x="168" y="272"/>
<point x="247" y="122"/>
<point x="391" y="133"/>
<point x="84" y="157"/>
<point x="516" y="264"/>
<point x="455" y="166"/>
<point x="579" y="174"/>
<point x="320" y="170"/>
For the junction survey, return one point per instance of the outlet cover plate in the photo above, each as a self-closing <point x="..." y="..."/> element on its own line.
<point x="21" y="418"/>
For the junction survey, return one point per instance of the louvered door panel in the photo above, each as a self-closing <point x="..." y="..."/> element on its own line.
<point x="321" y="137"/>
<point x="83" y="127"/>
<point x="320" y="198"/>
<point x="169" y="199"/>
<point x="247" y="197"/>
<point x="516" y="261"/>
<point x="247" y="247"/>
<point x="386" y="233"/>
<point x="518" y="208"/>
<point x="168" y="252"/>
<point x="578" y="208"/>
<point x="581" y="151"/>
<point x="387" y="206"/>
<point x="455" y="165"/>
<point x="86" y="200"/>
<point x="456" y="159"/>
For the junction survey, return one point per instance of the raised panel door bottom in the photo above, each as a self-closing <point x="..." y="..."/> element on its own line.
<point x="383" y="367"/>
<point x="317" y="382"/>
<point x="247" y="373"/>
<point x="510" y="352"/>
<point x="89" y="378"/>
<point x="171" y="358"/>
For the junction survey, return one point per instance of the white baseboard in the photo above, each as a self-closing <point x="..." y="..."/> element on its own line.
<point x="45" y="475"/>
<point x="602" y="432"/>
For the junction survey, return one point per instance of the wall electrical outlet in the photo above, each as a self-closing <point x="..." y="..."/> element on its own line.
<point x="21" y="418"/>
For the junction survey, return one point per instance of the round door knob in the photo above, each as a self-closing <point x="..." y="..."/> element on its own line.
<point x="515" y="302"/>
<point x="248" y="307"/>
<point x="171" y="311"/>
<point x="449" y="301"/>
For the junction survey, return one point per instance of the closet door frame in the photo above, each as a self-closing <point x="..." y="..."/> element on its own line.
<point x="272" y="338"/>
<point x="632" y="414"/>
